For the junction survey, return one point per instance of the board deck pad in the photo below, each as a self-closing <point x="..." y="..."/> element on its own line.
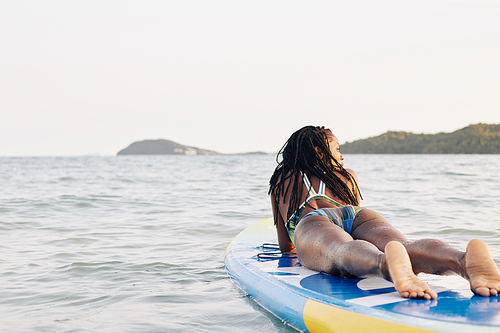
<point x="312" y="301"/>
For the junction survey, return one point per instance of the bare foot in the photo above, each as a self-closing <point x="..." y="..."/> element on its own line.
<point x="481" y="270"/>
<point x="405" y="281"/>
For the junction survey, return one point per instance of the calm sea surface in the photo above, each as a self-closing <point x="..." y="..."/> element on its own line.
<point x="136" y="243"/>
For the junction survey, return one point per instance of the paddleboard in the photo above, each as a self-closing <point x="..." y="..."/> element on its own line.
<point x="314" y="302"/>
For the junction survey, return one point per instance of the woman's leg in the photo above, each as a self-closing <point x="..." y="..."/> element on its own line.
<point x="323" y="246"/>
<point x="433" y="256"/>
<point x="427" y="255"/>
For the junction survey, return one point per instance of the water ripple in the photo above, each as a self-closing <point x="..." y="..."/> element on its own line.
<point x="136" y="243"/>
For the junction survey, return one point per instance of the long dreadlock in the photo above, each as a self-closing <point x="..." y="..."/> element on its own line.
<point x="299" y="154"/>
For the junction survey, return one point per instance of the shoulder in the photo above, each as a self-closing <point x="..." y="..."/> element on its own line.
<point x="355" y="187"/>
<point x="352" y="173"/>
<point x="286" y="179"/>
<point x="343" y="176"/>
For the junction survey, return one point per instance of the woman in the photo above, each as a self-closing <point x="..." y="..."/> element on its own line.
<point x="316" y="212"/>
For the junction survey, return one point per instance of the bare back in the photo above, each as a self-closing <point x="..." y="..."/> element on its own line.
<point x="285" y="243"/>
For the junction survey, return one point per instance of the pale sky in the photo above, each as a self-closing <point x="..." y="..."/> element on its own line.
<point x="91" y="77"/>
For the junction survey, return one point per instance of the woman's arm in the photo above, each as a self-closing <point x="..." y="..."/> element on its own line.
<point x="354" y="188"/>
<point x="284" y="241"/>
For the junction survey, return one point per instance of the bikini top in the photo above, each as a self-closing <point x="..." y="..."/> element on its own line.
<point x="313" y="195"/>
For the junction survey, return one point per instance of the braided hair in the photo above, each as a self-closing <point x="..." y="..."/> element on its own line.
<point x="300" y="153"/>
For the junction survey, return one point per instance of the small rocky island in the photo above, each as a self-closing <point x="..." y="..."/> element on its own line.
<point x="162" y="147"/>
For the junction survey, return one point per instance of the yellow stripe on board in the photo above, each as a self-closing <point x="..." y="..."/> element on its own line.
<point x="320" y="317"/>
<point x="228" y="249"/>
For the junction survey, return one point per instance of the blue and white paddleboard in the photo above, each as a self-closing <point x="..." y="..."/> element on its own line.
<point x="316" y="302"/>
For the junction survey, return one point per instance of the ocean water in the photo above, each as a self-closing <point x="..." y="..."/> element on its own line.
<point x="136" y="243"/>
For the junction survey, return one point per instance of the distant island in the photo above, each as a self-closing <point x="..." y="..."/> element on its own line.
<point x="473" y="139"/>
<point x="162" y="147"/>
<point x="167" y="147"/>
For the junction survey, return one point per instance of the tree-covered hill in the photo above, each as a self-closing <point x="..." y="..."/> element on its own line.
<point x="473" y="139"/>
